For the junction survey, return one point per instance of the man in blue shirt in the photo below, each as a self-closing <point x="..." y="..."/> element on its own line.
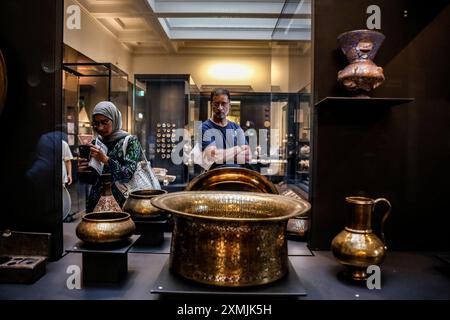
<point x="223" y="141"/>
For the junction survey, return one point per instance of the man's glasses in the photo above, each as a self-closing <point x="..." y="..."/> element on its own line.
<point x="218" y="104"/>
<point x="101" y="122"/>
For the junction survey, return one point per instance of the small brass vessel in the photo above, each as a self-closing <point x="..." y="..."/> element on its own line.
<point x="105" y="227"/>
<point x="357" y="247"/>
<point x="230" y="239"/>
<point x="232" y="179"/>
<point x="139" y="205"/>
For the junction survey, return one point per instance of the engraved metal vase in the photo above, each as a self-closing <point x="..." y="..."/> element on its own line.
<point x="360" y="47"/>
<point x="357" y="247"/>
<point x="107" y="202"/>
<point x="230" y="239"/>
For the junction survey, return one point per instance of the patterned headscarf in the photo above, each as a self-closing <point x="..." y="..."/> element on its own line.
<point x="109" y="110"/>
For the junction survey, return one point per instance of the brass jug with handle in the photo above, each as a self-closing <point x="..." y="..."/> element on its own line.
<point x="357" y="246"/>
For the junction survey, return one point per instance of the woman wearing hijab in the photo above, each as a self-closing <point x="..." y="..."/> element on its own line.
<point x="107" y="123"/>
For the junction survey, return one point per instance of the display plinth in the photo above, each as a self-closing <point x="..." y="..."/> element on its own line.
<point x="104" y="263"/>
<point x="169" y="283"/>
<point x="151" y="232"/>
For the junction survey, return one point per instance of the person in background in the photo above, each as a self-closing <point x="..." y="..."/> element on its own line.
<point x="223" y="141"/>
<point x="66" y="163"/>
<point x="107" y="123"/>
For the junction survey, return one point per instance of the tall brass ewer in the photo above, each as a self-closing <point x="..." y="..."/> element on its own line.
<point x="357" y="246"/>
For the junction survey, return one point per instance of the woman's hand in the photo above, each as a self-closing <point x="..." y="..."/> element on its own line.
<point x="98" y="154"/>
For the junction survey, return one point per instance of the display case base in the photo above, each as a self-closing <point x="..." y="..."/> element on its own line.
<point x="169" y="283"/>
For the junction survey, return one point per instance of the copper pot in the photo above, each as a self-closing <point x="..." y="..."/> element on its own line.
<point x="228" y="238"/>
<point x="139" y="205"/>
<point x="105" y="227"/>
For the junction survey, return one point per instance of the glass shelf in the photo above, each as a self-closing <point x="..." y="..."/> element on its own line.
<point x="358" y="101"/>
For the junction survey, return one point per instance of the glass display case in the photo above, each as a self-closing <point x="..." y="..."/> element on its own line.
<point x="164" y="109"/>
<point x="86" y="84"/>
<point x="278" y="122"/>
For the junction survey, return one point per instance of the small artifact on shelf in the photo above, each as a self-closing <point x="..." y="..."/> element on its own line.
<point x="357" y="247"/>
<point x="305" y="150"/>
<point x="360" y="47"/>
<point x="303" y="165"/>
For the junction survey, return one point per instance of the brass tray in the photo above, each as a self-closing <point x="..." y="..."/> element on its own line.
<point x="232" y="179"/>
<point x="3" y="82"/>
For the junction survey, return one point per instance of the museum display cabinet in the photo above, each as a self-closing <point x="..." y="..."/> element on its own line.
<point x="371" y="170"/>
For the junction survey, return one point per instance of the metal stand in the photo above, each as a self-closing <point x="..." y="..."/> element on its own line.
<point x="104" y="263"/>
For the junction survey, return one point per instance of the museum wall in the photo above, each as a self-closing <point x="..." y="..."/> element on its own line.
<point x="243" y="69"/>
<point x="95" y="41"/>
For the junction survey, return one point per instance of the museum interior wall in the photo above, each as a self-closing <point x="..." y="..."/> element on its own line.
<point x="96" y="42"/>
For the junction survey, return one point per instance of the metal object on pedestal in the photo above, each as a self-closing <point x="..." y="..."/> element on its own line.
<point x="228" y="238"/>
<point x="357" y="247"/>
<point x="105" y="227"/>
<point x="139" y="205"/>
<point x="360" y="47"/>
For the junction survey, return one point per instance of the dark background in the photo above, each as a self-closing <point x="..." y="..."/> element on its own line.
<point x="31" y="42"/>
<point x="384" y="148"/>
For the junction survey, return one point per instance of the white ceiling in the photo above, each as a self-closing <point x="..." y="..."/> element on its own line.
<point x="178" y="26"/>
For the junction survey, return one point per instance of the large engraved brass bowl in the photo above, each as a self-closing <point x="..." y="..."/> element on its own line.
<point x="105" y="227"/>
<point x="232" y="179"/>
<point x="231" y="239"/>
